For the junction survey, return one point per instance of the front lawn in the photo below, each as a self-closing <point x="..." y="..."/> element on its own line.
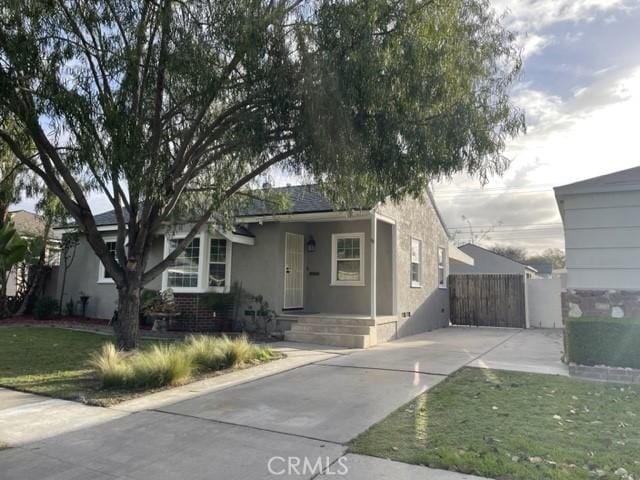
<point x="512" y="425"/>
<point x="56" y="362"/>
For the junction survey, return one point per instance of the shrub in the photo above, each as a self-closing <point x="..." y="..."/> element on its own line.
<point x="174" y="364"/>
<point x="45" y="307"/>
<point x="603" y="341"/>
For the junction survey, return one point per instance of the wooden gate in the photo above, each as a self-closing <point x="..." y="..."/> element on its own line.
<point x="487" y="300"/>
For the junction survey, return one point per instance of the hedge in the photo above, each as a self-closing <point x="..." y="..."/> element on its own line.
<point x="603" y="341"/>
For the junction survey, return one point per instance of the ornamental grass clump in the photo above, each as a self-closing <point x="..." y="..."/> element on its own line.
<point x="161" y="365"/>
<point x="110" y="364"/>
<point x="175" y="364"/>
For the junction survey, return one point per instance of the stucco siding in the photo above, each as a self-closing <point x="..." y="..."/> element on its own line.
<point x="426" y="307"/>
<point x="384" y="269"/>
<point x="259" y="268"/>
<point x="320" y="295"/>
<point x="602" y="240"/>
<point x="82" y="278"/>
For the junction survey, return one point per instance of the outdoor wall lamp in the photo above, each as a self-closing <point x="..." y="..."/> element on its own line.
<point x="311" y="244"/>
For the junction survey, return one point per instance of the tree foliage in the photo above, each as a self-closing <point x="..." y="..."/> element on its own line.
<point x="172" y="109"/>
<point x="13" y="250"/>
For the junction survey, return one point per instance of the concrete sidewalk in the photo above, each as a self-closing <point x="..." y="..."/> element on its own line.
<point x="304" y="407"/>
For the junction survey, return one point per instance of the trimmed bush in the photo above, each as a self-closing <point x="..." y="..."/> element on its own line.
<point x="175" y="364"/>
<point x="609" y="341"/>
<point x="46" y="307"/>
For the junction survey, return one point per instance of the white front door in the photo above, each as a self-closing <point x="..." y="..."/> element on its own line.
<point x="293" y="270"/>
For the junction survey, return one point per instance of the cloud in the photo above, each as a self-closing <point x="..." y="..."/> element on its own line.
<point x="533" y="44"/>
<point x="586" y="135"/>
<point x="528" y="15"/>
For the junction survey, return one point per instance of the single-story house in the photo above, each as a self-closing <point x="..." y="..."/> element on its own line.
<point x="486" y="261"/>
<point x="601" y="218"/>
<point x="342" y="277"/>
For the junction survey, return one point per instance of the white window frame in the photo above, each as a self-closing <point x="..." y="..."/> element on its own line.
<point x="445" y="267"/>
<point x="101" y="271"/>
<point x="227" y="266"/>
<point x="203" y="264"/>
<point x="334" y="260"/>
<point x="412" y="282"/>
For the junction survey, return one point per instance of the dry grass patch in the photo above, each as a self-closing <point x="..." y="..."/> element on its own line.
<point x="177" y="363"/>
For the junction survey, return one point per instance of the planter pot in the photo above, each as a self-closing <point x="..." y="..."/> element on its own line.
<point x="162" y="321"/>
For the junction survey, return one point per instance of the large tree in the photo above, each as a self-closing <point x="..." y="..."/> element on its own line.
<point x="172" y="108"/>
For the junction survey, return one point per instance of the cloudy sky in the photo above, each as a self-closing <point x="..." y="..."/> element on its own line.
<point x="580" y="90"/>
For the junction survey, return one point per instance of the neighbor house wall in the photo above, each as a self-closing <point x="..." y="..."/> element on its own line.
<point x="486" y="262"/>
<point x="602" y="242"/>
<point x="425" y="307"/>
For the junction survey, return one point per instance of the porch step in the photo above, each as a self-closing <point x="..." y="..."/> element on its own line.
<point x="334" y="339"/>
<point x="318" y="327"/>
<point x="330" y="320"/>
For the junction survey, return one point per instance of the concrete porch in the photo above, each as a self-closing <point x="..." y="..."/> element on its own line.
<point x="341" y="330"/>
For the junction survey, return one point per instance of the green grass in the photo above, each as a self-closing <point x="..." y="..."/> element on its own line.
<point x="57" y="362"/>
<point x="512" y="425"/>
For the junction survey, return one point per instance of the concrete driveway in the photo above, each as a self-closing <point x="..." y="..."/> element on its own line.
<point x="308" y="411"/>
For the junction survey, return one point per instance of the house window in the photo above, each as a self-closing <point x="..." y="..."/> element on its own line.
<point x="103" y="276"/>
<point x="217" y="262"/>
<point x="183" y="272"/>
<point x="416" y="263"/>
<point x="442" y="274"/>
<point x="347" y="259"/>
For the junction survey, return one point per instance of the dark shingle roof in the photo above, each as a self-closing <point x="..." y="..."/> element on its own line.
<point x="302" y="199"/>
<point x="109" y="218"/>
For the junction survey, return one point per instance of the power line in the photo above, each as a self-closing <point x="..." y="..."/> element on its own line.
<point x="487" y="189"/>
<point x="490" y="194"/>
<point x="508" y="225"/>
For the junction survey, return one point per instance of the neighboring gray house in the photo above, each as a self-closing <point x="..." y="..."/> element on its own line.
<point x="351" y="278"/>
<point x="601" y="218"/>
<point x="486" y="261"/>
<point x="30" y="225"/>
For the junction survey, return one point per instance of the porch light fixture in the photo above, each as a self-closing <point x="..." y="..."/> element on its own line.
<point x="311" y="244"/>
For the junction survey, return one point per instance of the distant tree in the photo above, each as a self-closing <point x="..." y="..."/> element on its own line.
<point x="473" y="235"/>
<point x="553" y="256"/>
<point x="172" y="109"/>
<point x="517" y="254"/>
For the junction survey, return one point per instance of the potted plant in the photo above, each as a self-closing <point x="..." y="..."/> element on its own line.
<point x="161" y="310"/>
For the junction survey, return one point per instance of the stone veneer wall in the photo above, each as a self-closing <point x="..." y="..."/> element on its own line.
<point x="601" y="303"/>
<point x="195" y="316"/>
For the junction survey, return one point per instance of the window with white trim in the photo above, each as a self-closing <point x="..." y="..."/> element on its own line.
<point x="347" y="259"/>
<point x="442" y="268"/>
<point x="103" y="276"/>
<point x="184" y="270"/>
<point x="217" y="262"/>
<point x="416" y="263"/>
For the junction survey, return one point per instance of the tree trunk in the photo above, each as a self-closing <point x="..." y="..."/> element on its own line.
<point x="126" y="324"/>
